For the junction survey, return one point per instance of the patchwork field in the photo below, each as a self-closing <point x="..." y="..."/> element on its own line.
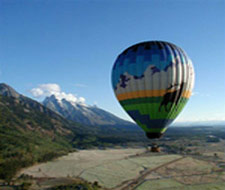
<point x="126" y="169"/>
<point x="188" y="174"/>
<point x="112" y="174"/>
<point x="77" y="163"/>
<point x="159" y="184"/>
<point x="173" y="185"/>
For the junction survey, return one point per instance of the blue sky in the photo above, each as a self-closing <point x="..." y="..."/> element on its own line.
<point x="74" y="44"/>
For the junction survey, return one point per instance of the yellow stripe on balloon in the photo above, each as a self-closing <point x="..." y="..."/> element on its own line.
<point x="148" y="93"/>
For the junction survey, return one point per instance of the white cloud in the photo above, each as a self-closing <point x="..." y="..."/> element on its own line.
<point x="49" y="89"/>
<point x="45" y="90"/>
<point x="37" y="92"/>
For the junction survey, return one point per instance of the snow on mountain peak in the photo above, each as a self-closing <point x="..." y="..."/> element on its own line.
<point x="49" y="89"/>
<point x="73" y="100"/>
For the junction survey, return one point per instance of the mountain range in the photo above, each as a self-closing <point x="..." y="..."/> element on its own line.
<point x="87" y="115"/>
<point x="32" y="115"/>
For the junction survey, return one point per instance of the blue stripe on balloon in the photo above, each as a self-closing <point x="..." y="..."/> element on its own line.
<point x="146" y="120"/>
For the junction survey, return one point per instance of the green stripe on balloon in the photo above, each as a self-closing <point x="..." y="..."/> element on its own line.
<point x="180" y="106"/>
<point x="152" y="129"/>
<point x="152" y="109"/>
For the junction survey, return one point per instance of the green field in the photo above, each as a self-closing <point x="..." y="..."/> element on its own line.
<point x="159" y="184"/>
<point x="170" y="184"/>
<point x="112" y="174"/>
<point x="74" y="164"/>
<point x="212" y="186"/>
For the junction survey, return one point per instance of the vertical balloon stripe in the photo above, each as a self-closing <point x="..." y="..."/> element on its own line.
<point x="175" y="79"/>
<point x="179" y="74"/>
<point x="161" y="78"/>
<point x="132" y="86"/>
<point x="124" y="79"/>
<point x="137" y="68"/>
<point x="191" y="76"/>
<point x="146" y="107"/>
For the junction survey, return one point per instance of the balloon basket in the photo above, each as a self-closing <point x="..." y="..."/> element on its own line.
<point x="154" y="148"/>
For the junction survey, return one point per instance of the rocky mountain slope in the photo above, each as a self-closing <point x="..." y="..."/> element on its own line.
<point x="87" y="115"/>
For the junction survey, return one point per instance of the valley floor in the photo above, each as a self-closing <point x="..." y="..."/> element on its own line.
<point x="132" y="169"/>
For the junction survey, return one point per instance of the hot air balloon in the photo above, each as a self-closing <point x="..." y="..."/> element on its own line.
<point x="153" y="81"/>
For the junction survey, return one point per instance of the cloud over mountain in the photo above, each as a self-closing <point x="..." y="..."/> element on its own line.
<point x="49" y="89"/>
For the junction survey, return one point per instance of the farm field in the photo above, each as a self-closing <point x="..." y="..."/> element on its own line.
<point x="77" y="163"/>
<point x="173" y="185"/>
<point x="132" y="169"/>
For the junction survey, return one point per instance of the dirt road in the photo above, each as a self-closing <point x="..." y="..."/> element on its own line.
<point x="137" y="181"/>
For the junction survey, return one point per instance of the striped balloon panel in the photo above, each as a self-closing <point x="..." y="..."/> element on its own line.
<point x="153" y="81"/>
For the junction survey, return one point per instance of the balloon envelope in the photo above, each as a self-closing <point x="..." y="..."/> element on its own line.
<point x="153" y="81"/>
